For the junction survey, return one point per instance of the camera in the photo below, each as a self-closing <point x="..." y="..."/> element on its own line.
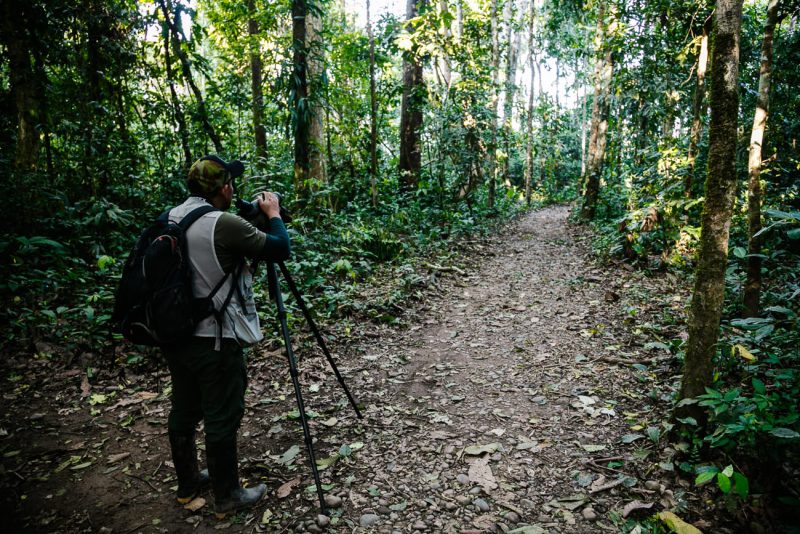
<point x="250" y="212"/>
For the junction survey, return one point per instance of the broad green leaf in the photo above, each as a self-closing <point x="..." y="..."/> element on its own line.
<point x="741" y="486"/>
<point x="724" y="483"/>
<point x="728" y="471"/>
<point x="704" y="478"/>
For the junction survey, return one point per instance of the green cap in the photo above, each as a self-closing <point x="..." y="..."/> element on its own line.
<point x="212" y="172"/>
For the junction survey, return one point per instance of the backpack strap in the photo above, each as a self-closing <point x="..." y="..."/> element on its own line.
<point x="191" y="217"/>
<point x="219" y="315"/>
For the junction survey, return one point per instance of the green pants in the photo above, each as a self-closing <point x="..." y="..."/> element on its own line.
<point x="207" y="385"/>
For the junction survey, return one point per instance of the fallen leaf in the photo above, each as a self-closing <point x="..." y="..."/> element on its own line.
<point x="635" y="505"/>
<point x="289" y="455"/>
<point x="678" y="525"/>
<point x="476" y="450"/>
<point x="195" y="504"/>
<point x="86" y="388"/>
<point x="593" y="448"/>
<point x="114" y="458"/>
<point x="481" y="474"/>
<point x="286" y="488"/>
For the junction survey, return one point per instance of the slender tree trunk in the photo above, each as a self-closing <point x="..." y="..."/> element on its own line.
<point x="186" y="68"/>
<point x="459" y="19"/>
<point x="513" y="40"/>
<point x="411" y="111"/>
<point x="583" y="102"/>
<point x="300" y="109"/>
<point x="752" y="287"/>
<point x="597" y="132"/>
<point x="256" y="81"/>
<point x="529" y="118"/>
<point x="316" y="130"/>
<point x="22" y="76"/>
<point x="373" y="115"/>
<point x="698" y="109"/>
<point x="720" y="193"/>
<point x="492" y="159"/>
<point x="183" y="133"/>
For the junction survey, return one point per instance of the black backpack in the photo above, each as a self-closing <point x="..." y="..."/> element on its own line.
<point x="155" y="304"/>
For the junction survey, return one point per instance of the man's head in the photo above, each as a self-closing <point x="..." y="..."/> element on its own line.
<point x="210" y="174"/>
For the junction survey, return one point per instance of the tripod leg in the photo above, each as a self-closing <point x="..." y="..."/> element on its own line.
<point x="296" y="383"/>
<point x="317" y="335"/>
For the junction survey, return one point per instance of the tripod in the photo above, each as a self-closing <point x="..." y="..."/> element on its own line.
<point x="275" y="294"/>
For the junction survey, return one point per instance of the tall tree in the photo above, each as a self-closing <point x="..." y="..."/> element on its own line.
<point x="373" y="116"/>
<point x="529" y="116"/>
<point x="698" y="107"/>
<point x="597" y="132"/>
<point x="513" y="40"/>
<point x="177" y="110"/>
<point x="411" y="107"/>
<point x="25" y="86"/>
<point x="720" y="193"/>
<point x="256" y="81"/>
<point x="752" y="287"/>
<point x="495" y="73"/>
<point x="172" y="19"/>
<point x="299" y="95"/>
<point x="316" y="127"/>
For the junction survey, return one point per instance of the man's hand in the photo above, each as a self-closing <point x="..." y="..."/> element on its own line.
<point x="268" y="202"/>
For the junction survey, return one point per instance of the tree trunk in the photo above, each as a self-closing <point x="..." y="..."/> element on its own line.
<point x="183" y="133"/>
<point x="698" y="109"/>
<point x="299" y="104"/>
<point x="256" y="81"/>
<point x="513" y="41"/>
<point x="316" y="128"/>
<point x="373" y="116"/>
<point x="23" y="85"/>
<point x="752" y="287"/>
<point x="720" y="193"/>
<point x="599" y="126"/>
<point x="583" y="101"/>
<point x="529" y="118"/>
<point x="492" y="159"/>
<point x="187" y="75"/>
<point x="411" y="111"/>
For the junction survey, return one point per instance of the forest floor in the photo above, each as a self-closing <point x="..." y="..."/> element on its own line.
<point x="523" y="391"/>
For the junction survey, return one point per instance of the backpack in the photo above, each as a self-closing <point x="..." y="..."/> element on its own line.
<point x="155" y="304"/>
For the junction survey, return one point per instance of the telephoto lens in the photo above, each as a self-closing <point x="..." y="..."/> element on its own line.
<point x="250" y="212"/>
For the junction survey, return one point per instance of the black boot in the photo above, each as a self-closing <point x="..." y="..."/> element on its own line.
<point x="229" y="496"/>
<point x="191" y="480"/>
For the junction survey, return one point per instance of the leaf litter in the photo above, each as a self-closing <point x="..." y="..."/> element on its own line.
<point x="485" y="408"/>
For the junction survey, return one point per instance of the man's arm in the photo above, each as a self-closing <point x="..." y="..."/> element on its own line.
<point x="235" y="238"/>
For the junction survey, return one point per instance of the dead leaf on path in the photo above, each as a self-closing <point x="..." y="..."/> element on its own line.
<point x="86" y="388"/>
<point x="195" y="504"/>
<point x="481" y="474"/>
<point x="286" y="488"/>
<point x="476" y="450"/>
<point x="678" y="525"/>
<point x="114" y="458"/>
<point x="635" y="505"/>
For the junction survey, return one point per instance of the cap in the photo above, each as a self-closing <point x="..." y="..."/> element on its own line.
<point x="212" y="172"/>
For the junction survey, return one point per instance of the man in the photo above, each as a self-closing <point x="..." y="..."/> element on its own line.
<point x="208" y="371"/>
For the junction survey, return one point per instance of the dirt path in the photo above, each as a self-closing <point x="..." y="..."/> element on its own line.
<point x="508" y="402"/>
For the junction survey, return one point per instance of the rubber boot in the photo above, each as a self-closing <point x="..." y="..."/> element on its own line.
<point x="229" y="496"/>
<point x="191" y="481"/>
